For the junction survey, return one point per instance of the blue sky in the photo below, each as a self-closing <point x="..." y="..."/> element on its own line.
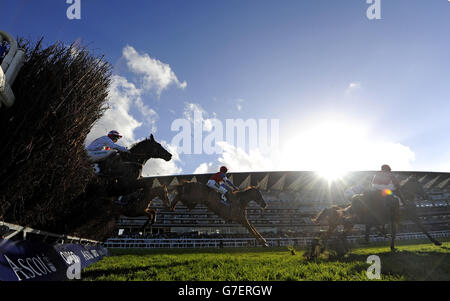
<point x="349" y="93"/>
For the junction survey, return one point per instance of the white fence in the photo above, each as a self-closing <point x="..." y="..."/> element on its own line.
<point x="243" y="242"/>
<point x="11" y="232"/>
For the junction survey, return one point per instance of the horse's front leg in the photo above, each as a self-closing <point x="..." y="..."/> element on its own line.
<point x="264" y="241"/>
<point x="152" y="215"/>
<point x="174" y="202"/>
<point x="255" y="233"/>
<point x="326" y="236"/>
<point x="368" y="227"/>
<point x="393" y="234"/>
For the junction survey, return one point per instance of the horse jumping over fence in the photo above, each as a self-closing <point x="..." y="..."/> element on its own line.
<point x="108" y="213"/>
<point x="192" y="193"/>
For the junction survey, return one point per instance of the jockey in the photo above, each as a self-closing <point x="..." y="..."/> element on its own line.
<point x="385" y="182"/>
<point x="103" y="147"/>
<point x="217" y="183"/>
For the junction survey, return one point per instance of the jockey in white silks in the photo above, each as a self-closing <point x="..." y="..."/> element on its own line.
<point x="386" y="182"/>
<point x="217" y="180"/>
<point x="105" y="146"/>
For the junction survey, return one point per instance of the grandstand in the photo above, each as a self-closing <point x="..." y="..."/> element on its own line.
<point x="292" y="199"/>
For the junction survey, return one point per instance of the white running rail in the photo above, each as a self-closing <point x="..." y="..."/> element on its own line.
<point x="244" y="242"/>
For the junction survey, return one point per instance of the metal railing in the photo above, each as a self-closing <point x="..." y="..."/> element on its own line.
<point x="245" y="242"/>
<point x="11" y="232"/>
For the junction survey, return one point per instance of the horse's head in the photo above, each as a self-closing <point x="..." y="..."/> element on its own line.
<point x="163" y="194"/>
<point x="330" y="215"/>
<point x="252" y="194"/>
<point x="150" y="148"/>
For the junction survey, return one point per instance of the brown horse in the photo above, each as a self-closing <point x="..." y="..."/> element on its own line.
<point x="372" y="209"/>
<point x="193" y="193"/>
<point x="137" y="201"/>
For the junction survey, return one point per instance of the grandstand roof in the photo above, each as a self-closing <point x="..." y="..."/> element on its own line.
<point x="304" y="180"/>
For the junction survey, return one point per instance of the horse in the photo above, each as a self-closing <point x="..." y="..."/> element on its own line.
<point x="125" y="168"/>
<point x="192" y="193"/>
<point x="121" y="174"/>
<point x="137" y="201"/>
<point x="371" y="208"/>
<point x="107" y="215"/>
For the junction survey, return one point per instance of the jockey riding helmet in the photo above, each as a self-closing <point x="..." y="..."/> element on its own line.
<point x="223" y="169"/>
<point x="114" y="134"/>
<point x="385" y="167"/>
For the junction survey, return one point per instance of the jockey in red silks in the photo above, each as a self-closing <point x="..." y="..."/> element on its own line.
<point x="385" y="182"/>
<point x="217" y="183"/>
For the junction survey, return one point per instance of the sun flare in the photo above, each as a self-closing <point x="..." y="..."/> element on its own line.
<point x="331" y="175"/>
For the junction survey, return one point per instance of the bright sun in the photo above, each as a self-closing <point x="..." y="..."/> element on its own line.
<point x="331" y="175"/>
<point x="329" y="148"/>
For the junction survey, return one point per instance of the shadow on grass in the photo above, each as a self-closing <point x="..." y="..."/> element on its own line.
<point x="130" y="271"/>
<point x="409" y="265"/>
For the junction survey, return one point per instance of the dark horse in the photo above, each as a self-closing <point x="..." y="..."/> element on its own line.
<point x="122" y="172"/>
<point x="107" y="214"/>
<point x="122" y="176"/>
<point x="193" y="193"/>
<point x="143" y="199"/>
<point x="126" y="168"/>
<point x="372" y="209"/>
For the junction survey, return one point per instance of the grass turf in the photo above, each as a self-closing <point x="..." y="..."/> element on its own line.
<point x="413" y="261"/>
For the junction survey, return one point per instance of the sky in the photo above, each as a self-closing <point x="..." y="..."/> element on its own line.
<point x="326" y="87"/>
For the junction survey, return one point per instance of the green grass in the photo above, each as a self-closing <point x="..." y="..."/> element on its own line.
<point x="418" y="261"/>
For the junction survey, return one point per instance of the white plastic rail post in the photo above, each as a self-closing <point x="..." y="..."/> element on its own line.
<point x="10" y="67"/>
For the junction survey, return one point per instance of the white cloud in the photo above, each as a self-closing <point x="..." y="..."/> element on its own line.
<point x="121" y="96"/>
<point x="205" y="168"/>
<point x="352" y="87"/>
<point x="237" y="160"/>
<point x="329" y="147"/>
<point x="239" y="103"/>
<point x="159" y="167"/>
<point x="156" y="75"/>
<point x="338" y="146"/>
<point x="195" y="114"/>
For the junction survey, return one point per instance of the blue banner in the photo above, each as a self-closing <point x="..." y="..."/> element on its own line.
<point x="35" y="261"/>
